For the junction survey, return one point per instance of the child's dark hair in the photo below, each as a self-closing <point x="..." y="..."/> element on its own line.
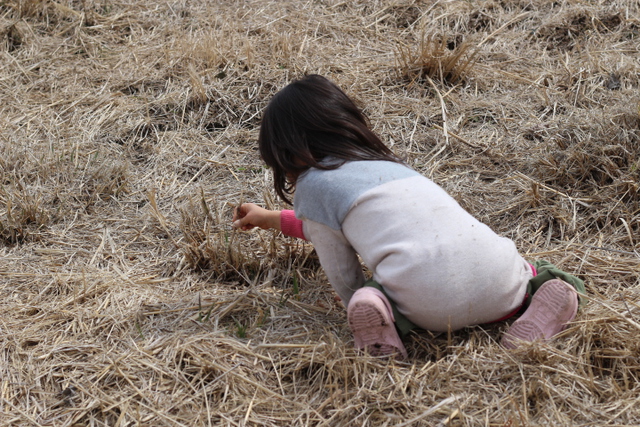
<point x="311" y="119"/>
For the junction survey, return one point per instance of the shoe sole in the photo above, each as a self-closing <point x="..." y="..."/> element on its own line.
<point x="371" y="322"/>
<point x="552" y="307"/>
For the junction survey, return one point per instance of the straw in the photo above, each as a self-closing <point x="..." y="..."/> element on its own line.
<point x="128" y="134"/>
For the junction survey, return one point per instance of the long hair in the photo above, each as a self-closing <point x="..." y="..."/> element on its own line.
<point x="311" y="119"/>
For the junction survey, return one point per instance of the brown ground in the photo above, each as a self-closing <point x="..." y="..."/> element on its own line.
<point x="129" y="131"/>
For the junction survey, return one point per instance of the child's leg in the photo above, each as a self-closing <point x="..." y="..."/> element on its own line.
<point x="546" y="271"/>
<point x="553" y="297"/>
<point x="552" y="306"/>
<point x="371" y="318"/>
<point x="403" y="325"/>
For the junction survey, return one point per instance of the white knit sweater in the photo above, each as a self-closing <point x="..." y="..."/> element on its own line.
<point x="443" y="268"/>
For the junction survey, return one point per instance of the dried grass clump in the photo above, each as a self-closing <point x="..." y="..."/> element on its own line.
<point x="25" y="209"/>
<point x="106" y="180"/>
<point x="589" y="164"/>
<point x="24" y="217"/>
<point x="208" y="244"/>
<point x="572" y="26"/>
<point x="13" y="35"/>
<point x="447" y="60"/>
<point x="595" y="156"/>
<point x="27" y="8"/>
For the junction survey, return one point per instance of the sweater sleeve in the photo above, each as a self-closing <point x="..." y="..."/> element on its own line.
<point x="338" y="259"/>
<point x="290" y="225"/>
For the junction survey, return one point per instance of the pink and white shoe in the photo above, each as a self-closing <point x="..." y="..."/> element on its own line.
<point x="553" y="306"/>
<point x="372" y="324"/>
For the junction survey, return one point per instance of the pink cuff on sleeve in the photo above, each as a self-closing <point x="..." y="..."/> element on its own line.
<point x="290" y="225"/>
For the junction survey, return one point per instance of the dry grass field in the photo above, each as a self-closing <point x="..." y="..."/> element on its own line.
<point x="128" y="133"/>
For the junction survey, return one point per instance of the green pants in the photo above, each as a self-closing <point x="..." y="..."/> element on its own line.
<point x="545" y="272"/>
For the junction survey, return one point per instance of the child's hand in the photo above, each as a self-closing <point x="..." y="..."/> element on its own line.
<point x="249" y="215"/>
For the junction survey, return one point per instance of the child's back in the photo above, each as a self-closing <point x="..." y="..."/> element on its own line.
<point x="443" y="268"/>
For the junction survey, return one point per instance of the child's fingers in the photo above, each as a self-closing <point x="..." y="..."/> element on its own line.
<point x="239" y="212"/>
<point x="243" y="223"/>
<point x="241" y="226"/>
<point x="246" y="216"/>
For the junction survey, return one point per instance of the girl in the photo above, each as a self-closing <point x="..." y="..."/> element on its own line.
<point x="434" y="266"/>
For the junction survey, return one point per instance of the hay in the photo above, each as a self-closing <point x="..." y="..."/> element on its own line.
<point x="128" y="135"/>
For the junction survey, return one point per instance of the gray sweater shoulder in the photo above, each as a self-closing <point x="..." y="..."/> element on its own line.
<point x="326" y="196"/>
